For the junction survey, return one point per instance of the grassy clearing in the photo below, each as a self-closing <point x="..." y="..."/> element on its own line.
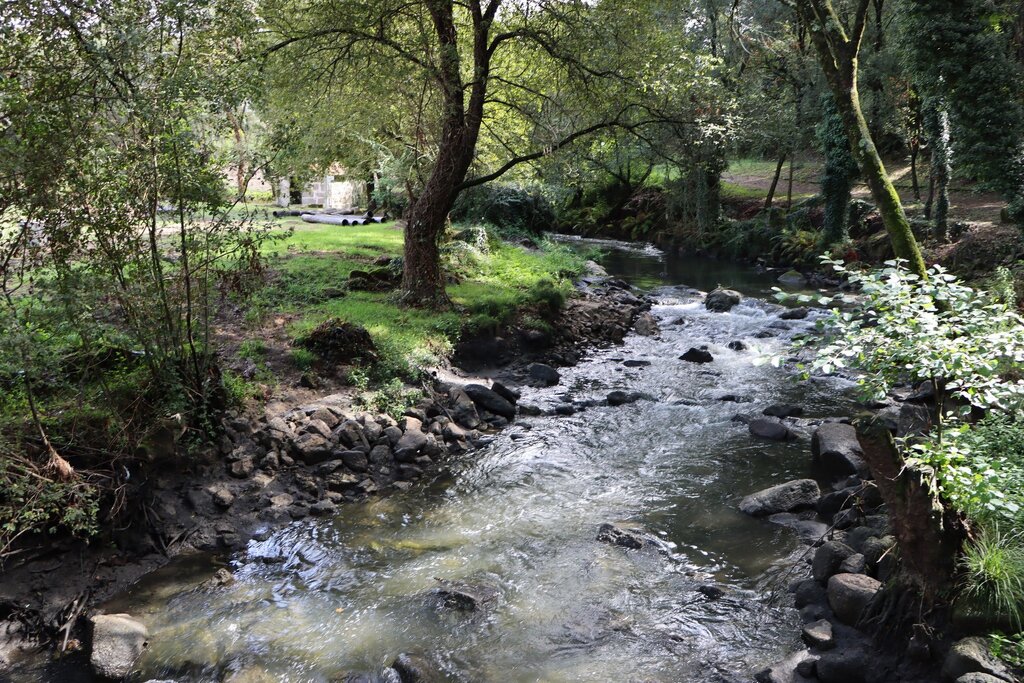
<point x="494" y="281"/>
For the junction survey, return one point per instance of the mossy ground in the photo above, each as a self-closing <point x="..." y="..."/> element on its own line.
<point x="490" y="284"/>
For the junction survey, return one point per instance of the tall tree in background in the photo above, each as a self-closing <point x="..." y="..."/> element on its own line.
<point x="838" y="42"/>
<point x="961" y="56"/>
<point x="479" y="71"/>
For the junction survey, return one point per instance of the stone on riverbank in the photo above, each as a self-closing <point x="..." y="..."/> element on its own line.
<point x="117" y="642"/>
<point x="490" y="400"/>
<point x="545" y="375"/>
<point x="850" y="594"/>
<point x="845" y="666"/>
<point x="836" y="449"/>
<point x="722" y="300"/>
<point x="828" y="558"/>
<point x="971" y="655"/>
<point x="819" y="635"/>
<point x="793" y="495"/>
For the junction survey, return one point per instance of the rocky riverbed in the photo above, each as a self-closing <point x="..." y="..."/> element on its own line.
<point x="562" y="513"/>
<point x="293" y="462"/>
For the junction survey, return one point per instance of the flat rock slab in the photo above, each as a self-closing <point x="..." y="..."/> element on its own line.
<point x="118" y="640"/>
<point x="819" y="635"/>
<point x="793" y="495"/>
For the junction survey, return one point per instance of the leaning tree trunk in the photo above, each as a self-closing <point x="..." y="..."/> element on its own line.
<point x="882" y="190"/>
<point x="775" y="182"/>
<point x="838" y="51"/>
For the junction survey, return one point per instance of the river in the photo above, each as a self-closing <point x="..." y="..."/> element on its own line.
<point x="323" y="599"/>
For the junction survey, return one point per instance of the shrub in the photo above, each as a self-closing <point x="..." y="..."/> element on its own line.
<point x="992" y="567"/>
<point x="509" y="207"/>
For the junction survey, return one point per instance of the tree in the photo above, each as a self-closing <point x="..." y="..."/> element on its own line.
<point x="838" y="43"/>
<point x="550" y="71"/>
<point x="959" y="54"/>
<point x="839" y="174"/>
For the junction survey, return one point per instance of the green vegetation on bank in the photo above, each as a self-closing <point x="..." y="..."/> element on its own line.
<point x="964" y="348"/>
<point x="89" y="392"/>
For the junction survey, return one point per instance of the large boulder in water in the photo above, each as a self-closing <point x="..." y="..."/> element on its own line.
<point x="793" y="495"/>
<point x="771" y="428"/>
<point x="695" y="355"/>
<point x="542" y="374"/>
<point x="836" y="449"/>
<point x="117" y="642"/>
<point x="722" y="300"/>
<point x="490" y="400"/>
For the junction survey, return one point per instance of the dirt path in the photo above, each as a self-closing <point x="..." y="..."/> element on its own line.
<point x="966" y="204"/>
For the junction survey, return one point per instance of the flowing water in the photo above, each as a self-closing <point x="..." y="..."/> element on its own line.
<point x="326" y="598"/>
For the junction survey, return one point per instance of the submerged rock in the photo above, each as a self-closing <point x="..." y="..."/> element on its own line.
<point x="465" y="597"/>
<point x="793" y="495"/>
<point x="412" y="669"/>
<point x="623" y="536"/>
<point x="117" y="642"/>
<point x="783" y="410"/>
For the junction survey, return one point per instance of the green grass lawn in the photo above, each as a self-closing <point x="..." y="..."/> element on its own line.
<point x="312" y="265"/>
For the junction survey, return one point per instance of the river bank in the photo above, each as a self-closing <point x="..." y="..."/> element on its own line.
<point x="627" y="523"/>
<point x="296" y="461"/>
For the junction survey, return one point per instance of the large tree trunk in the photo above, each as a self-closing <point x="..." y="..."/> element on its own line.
<point x="837" y="51"/>
<point x="929" y="536"/>
<point x="422" y="278"/>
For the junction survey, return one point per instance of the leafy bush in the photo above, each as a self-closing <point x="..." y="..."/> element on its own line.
<point x="31" y="501"/>
<point x="391" y="397"/>
<point x="904" y="329"/>
<point x="968" y="345"/>
<point x="509" y="207"/>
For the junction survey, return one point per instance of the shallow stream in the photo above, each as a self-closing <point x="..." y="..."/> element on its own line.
<point x="324" y="599"/>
